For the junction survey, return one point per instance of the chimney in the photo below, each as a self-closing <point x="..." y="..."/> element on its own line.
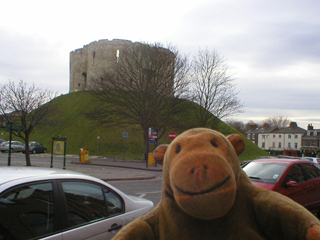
<point x="310" y="127"/>
<point x="293" y="125"/>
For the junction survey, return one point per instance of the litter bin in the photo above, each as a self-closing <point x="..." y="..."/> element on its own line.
<point x="84" y="155"/>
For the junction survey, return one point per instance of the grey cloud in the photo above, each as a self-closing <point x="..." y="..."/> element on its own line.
<point x="267" y="32"/>
<point x="33" y="60"/>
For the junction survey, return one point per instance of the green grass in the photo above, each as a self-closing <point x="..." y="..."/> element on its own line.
<point x="82" y="132"/>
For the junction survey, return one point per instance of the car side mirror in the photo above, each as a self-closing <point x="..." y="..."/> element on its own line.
<point x="292" y="184"/>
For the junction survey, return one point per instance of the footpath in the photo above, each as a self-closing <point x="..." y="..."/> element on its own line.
<point x="111" y="170"/>
<point x="108" y="169"/>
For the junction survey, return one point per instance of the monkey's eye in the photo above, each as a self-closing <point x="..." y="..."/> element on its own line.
<point x="214" y="143"/>
<point x="178" y="149"/>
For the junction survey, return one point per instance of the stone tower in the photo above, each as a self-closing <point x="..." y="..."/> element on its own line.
<point x="92" y="60"/>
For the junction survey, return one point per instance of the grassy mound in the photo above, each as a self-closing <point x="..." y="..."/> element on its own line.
<point x="82" y="132"/>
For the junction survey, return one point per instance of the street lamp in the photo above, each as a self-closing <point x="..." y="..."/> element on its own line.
<point x="98" y="139"/>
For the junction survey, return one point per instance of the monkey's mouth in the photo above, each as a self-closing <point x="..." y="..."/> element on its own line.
<point x="205" y="191"/>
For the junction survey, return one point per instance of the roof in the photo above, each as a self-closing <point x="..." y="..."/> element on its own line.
<point x="9" y="174"/>
<point x="311" y="134"/>
<point x="282" y="160"/>
<point x="263" y="130"/>
<point x="291" y="130"/>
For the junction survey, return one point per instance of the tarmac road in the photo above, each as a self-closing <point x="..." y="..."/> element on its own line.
<point x="100" y="167"/>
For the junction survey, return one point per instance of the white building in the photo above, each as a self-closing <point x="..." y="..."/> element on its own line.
<point x="286" y="141"/>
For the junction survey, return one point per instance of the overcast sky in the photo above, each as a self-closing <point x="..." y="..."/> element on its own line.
<point x="272" y="48"/>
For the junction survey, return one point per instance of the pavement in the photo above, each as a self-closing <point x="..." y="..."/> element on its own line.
<point x="106" y="168"/>
<point x="110" y="169"/>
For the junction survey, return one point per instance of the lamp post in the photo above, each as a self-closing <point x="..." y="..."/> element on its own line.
<point x="98" y="143"/>
<point x="10" y="123"/>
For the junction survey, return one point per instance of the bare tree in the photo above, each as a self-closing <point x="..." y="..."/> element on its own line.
<point x="143" y="88"/>
<point x="238" y="125"/>
<point x="26" y="107"/>
<point x="277" y="121"/>
<point x="213" y="88"/>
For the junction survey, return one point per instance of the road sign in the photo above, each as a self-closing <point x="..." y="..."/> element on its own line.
<point x="59" y="145"/>
<point x="125" y="134"/>
<point x="172" y="135"/>
<point x="153" y="135"/>
<point x="11" y="127"/>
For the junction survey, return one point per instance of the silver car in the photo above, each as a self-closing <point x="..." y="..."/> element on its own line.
<point x="16" y="146"/>
<point x="47" y="203"/>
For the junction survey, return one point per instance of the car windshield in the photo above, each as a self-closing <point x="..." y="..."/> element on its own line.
<point x="267" y="172"/>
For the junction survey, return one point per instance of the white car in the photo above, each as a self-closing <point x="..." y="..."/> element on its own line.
<point x="16" y="146"/>
<point x="47" y="203"/>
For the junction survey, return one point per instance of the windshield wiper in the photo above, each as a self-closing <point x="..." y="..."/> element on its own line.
<point x="257" y="179"/>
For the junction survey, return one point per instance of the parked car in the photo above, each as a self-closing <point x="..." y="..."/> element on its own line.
<point x="2" y="141"/>
<point x="59" y="204"/>
<point x="35" y="147"/>
<point x="16" y="146"/>
<point x="242" y="164"/>
<point x="312" y="159"/>
<point x="285" y="156"/>
<point x="294" y="178"/>
<point x="264" y="157"/>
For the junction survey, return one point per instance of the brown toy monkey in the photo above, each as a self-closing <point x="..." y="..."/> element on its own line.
<point x="206" y="195"/>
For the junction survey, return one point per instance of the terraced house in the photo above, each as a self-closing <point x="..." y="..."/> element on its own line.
<point x="290" y="141"/>
<point x="311" y="142"/>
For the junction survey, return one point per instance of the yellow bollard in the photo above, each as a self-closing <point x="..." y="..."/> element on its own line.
<point x="151" y="161"/>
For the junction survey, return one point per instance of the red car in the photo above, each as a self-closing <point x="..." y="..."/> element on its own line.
<point x="294" y="178"/>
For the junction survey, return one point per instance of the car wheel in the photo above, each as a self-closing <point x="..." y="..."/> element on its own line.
<point x="34" y="151"/>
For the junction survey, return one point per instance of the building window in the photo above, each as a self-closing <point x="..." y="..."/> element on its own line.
<point x="279" y="145"/>
<point x="263" y="136"/>
<point x="315" y="133"/>
<point x="305" y="143"/>
<point x="274" y="136"/>
<point x="93" y="57"/>
<point x="296" y="136"/>
<point x="295" y="145"/>
<point x="248" y="136"/>
<point x="273" y="144"/>
<point x="308" y="133"/>
<point x="289" y="145"/>
<point x="289" y="136"/>
<point x="263" y="145"/>
<point x="279" y="136"/>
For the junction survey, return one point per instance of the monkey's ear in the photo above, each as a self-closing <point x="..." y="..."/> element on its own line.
<point x="159" y="152"/>
<point x="238" y="143"/>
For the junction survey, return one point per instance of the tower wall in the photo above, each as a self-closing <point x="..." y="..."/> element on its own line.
<point x="92" y="60"/>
